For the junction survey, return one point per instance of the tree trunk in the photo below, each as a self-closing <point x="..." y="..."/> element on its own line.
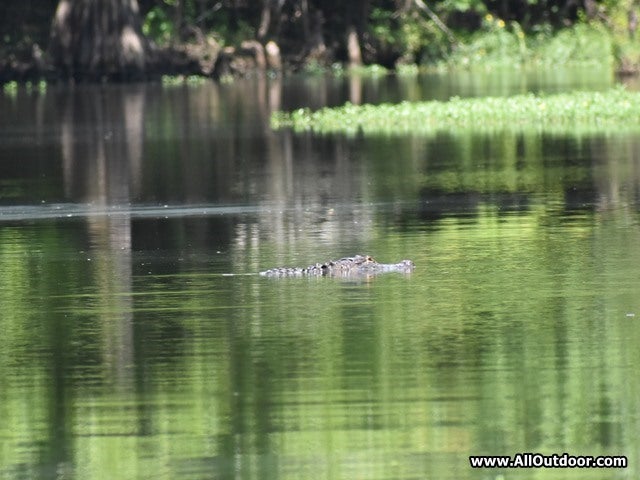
<point x="265" y="20"/>
<point x="353" y="47"/>
<point x="99" y="40"/>
<point x="356" y="16"/>
<point x="179" y="16"/>
<point x="632" y="18"/>
<point x="269" y="19"/>
<point x="313" y="26"/>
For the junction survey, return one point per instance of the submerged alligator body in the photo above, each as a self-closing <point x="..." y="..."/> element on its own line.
<point x="358" y="265"/>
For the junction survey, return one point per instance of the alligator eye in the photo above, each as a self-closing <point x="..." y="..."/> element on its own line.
<point x="370" y="259"/>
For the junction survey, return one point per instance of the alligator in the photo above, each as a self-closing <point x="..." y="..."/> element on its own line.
<point x="358" y="265"/>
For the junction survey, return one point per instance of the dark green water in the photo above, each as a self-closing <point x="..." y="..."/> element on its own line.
<point x="137" y="341"/>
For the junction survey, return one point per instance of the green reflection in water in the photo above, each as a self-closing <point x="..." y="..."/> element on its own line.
<point x="517" y="332"/>
<point x="511" y="336"/>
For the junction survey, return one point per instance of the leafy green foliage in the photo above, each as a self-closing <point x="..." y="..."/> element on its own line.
<point x="441" y="34"/>
<point x="158" y="26"/>
<point x="581" y="44"/>
<point x="495" y="45"/>
<point x="410" y="34"/>
<point x="499" y="44"/>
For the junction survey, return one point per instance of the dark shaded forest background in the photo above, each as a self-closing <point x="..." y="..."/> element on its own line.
<point x="84" y="39"/>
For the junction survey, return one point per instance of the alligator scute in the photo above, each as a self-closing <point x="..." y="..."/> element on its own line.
<point x="358" y="265"/>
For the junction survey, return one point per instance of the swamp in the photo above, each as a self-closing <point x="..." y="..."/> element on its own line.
<point x="139" y="340"/>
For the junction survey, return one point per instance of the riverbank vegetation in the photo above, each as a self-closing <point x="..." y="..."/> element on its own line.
<point x="613" y="110"/>
<point x="134" y="39"/>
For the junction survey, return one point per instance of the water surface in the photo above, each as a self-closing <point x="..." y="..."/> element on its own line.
<point x="138" y="341"/>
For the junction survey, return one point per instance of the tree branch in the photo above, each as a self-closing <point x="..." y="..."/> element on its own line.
<point x="440" y="24"/>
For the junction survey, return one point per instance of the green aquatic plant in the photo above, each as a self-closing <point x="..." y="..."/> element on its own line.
<point x="616" y="109"/>
<point x="10" y="88"/>
<point x="174" y="80"/>
<point x="316" y="68"/>
<point x="407" y="69"/>
<point x="40" y="86"/>
<point x="373" y="70"/>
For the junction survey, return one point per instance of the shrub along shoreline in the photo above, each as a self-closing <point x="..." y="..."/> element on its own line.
<point x="493" y="44"/>
<point x="614" y="110"/>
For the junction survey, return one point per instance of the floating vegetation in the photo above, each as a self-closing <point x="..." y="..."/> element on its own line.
<point x="313" y="67"/>
<point x="616" y="109"/>
<point x="373" y="70"/>
<point x="173" y="80"/>
<point x="10" y="88"/>
<point x="40" y="86"/>
<point x="407" y="69"/>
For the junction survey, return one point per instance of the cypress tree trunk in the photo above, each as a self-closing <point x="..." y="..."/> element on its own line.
<point x="357" y="13"/>
<point x="265" y="20"/>
<point x="353" y="47"/>
<point x="99" y="40"/>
